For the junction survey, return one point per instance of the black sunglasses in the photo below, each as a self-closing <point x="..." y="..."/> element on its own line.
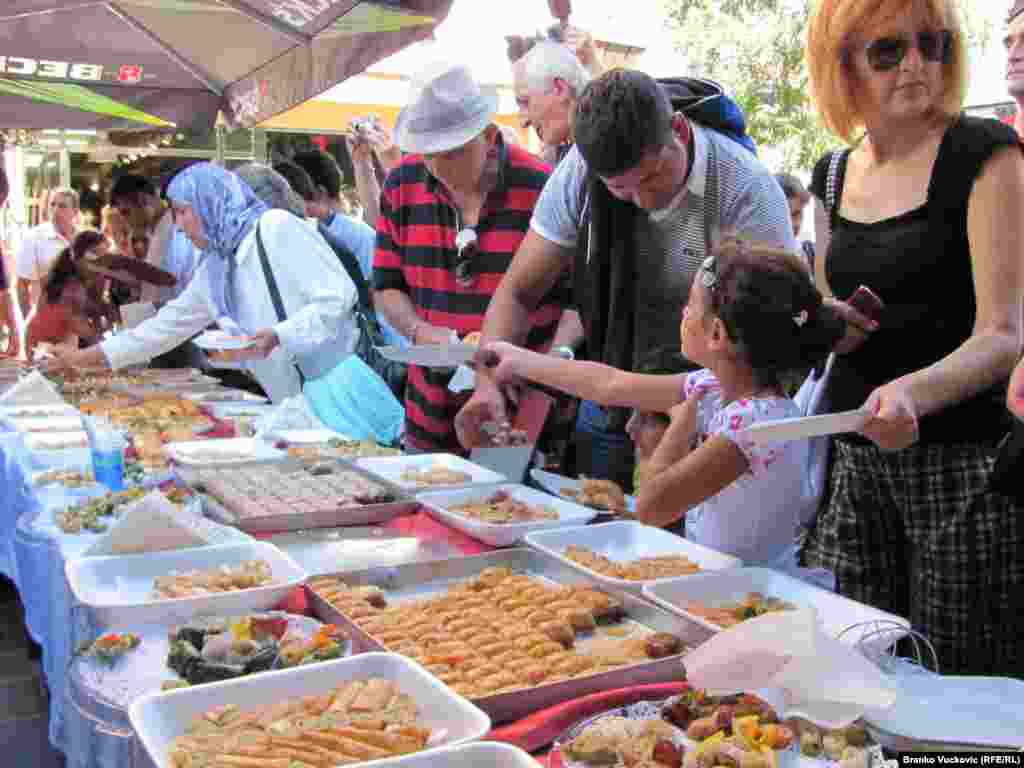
<point x="886" y="53"/>
<point x="467" y="248"/>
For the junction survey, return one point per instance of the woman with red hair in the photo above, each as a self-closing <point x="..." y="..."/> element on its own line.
<point x="923" y="209"/>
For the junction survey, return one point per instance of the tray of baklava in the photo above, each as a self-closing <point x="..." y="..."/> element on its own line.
<point x="291" y="495"/>
<point x="514" y="631"/>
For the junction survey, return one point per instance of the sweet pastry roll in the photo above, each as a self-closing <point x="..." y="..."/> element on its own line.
<point x="541" y="650"/>
<point x="495" y="648"/>
<point x="531" y="640"/>
<point x="559" y="631"/>
<point x="541" y="617"/>
<point x="491" y="577"/>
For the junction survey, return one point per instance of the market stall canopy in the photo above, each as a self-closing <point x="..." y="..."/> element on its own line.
<point x="144" y="64"/>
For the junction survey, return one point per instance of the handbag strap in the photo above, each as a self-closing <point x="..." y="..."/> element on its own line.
<point x="832" y="186"/>
<point x="275" y="293"/>
<point x="355" y="273"/>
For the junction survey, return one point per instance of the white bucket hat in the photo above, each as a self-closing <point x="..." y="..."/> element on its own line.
<point x="447" y="108"/>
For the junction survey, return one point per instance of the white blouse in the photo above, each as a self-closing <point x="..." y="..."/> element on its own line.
<point x="318" y="297"/>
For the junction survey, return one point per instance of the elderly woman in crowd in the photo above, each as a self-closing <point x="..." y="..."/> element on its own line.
<point x="925" y="211"/>
<point x="233" y="287"/>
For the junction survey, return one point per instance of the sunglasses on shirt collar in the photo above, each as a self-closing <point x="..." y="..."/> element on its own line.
<point x="887" y="53"/>
<point x="466" y="246"/>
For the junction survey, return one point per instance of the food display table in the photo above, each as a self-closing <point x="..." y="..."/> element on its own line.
<point x="89" y="706"/>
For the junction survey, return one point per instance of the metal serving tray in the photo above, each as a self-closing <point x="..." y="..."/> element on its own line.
<point x="421" y="580"/>
<point x="367" y="514"/>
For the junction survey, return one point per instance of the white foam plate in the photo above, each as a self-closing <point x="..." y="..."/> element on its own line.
<point x="804" y="427"/>
<point x="503" y="534"/>
<point x="560" y="485"/>
<point x="492" y="754"/>
<point x="432" y="355"/>
<point x="235" y="450"/>
<point x="160" y="718"/>
<point x="622" y="541"/>
<point x="118" y="589"/>
<point x="225" y="396"/>
<point x="390" y="468"/>
<point x="933" y="711"/>
<point x="219" y="340"/>
<point x="715" y="588"/>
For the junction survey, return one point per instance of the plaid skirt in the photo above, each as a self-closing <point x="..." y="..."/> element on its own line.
<point x="920" y="533"/>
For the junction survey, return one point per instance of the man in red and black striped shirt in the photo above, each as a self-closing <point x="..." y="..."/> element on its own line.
<point x="452" y="216"/>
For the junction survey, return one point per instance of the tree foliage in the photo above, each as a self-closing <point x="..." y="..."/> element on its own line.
<point x="755" y="49"/>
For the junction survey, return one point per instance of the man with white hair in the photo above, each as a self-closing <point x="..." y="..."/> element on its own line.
<point x="42" y="245"/>
<point x="1014" y="42"/>
<point x="547" y="81"/>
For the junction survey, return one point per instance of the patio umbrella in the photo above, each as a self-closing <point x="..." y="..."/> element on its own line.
<point x="144" y="64"/>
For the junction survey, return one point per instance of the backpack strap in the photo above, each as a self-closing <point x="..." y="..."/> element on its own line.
<point x="275" y="292"/>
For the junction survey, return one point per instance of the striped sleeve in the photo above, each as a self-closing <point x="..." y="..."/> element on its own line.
<point x="387" y="261"/>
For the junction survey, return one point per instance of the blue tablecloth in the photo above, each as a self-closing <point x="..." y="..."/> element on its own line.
<point x="36" y="551"/>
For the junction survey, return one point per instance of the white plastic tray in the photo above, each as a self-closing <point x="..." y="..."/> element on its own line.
<point x="225" y="396"/>
<point x="233" y="410"/>
<point x="627" y="540"/>
<point x="932" y="711"/>
<point x="308" y="436"/>
<point x="118" y="589"/>
<point x="391" y="468"/>
<point x="37" y="411"/>
<point x="211" y="453"/>
<point x="715" y="588"/>
<point x="48" y="425"/>
<point x="503" y="534"/>
<point x="160" y="718"/>
<point x="560" y="484"/>
<point x="57" y="441"/>
<point x="491" y="754"/>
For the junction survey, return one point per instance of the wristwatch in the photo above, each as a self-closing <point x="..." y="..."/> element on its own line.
<point x="563" y="352"/>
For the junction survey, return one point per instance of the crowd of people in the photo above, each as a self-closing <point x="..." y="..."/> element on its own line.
<point x="646" y="263"/>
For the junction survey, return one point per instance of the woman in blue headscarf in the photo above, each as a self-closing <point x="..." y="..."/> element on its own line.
<point x="224" y="218"/>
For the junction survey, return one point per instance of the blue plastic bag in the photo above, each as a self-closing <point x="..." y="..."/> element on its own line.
<point x="354" y="400"/>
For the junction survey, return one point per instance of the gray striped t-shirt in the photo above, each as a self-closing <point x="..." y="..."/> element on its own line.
<point x="672" y="243"/>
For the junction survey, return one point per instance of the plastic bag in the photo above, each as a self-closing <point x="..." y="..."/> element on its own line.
<point x="786" y="659"/>
<point x="353" y="400"/>
<point x="34" y="389"/>
<point x="811" y="400"/>
<point x="292" y="413"/>
<point x="151" y="524"/>
<point x="463" y="380"/>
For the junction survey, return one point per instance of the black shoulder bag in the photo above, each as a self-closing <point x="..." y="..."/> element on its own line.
<point x="370" y="335"/>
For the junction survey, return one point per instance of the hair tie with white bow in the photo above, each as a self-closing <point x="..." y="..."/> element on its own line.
<point x="801" y="318"/>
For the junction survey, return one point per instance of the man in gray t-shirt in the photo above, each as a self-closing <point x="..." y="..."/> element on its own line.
<point x="667" y="187"/>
